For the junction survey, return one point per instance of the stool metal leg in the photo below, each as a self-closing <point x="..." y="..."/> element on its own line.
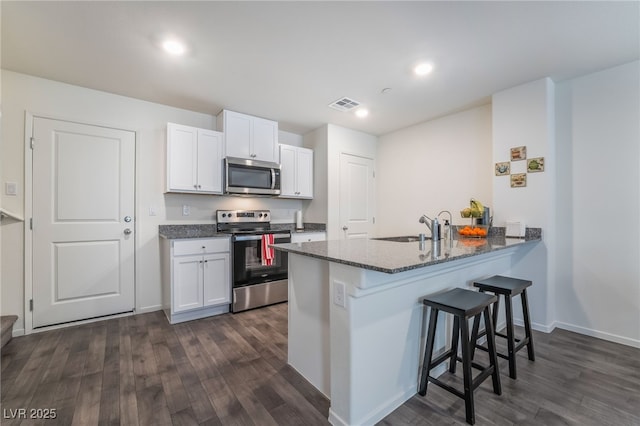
<point x="493" y="355"/>
<point x="428" y="352"/>
<point x="454" y="344"/>
<point x="510" y="338"/>
<point x="527" y="325"/>
<point x="466" y="368"/>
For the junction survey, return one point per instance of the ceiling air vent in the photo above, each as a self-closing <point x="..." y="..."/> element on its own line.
<point x="344" y="104"/>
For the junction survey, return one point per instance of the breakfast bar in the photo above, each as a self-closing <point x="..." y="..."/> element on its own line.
<point x="356" y="324"/>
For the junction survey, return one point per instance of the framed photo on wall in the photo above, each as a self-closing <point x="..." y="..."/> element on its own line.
<point x="503" y="169"/>
<point x="518" y="153"/>
<point x="535" y="165"/>
<point x="518" y="180"/>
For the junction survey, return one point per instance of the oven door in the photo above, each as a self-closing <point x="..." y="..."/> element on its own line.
<point x="247" y="261"/>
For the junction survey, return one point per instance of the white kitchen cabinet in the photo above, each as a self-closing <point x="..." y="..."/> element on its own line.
<point x="303" y="237"/>
<point x="249" y="137"/>
<point x="196" y="278"/>
<point x="194" y="160"/>
<point x="296" y="173"/>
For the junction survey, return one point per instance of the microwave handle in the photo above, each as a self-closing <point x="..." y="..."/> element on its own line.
<point x="273" y="179"/>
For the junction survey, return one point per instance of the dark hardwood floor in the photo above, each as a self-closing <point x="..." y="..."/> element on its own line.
<point x="232" y="370"/>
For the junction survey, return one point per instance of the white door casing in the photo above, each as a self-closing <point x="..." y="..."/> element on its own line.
<point x="356" y="196"/>
<point x="83" y="198"/>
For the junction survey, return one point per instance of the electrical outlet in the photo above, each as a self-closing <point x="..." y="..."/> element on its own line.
<point x="186" y="210"/>
<point x="339" y="294"/>
<point x="152" y="211"/>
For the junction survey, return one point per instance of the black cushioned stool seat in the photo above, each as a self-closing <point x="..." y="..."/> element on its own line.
<point x="507" y="287"/>
<point x="462" y="304"/>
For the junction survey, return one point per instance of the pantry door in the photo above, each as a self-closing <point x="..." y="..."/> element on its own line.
<point x="83" y="221"/>
<point x="356" y="196"/>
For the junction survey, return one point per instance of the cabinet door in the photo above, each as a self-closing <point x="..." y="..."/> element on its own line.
<point x="187" y="283"/>
<point x="287" y="171"/>
<point x="217" y="283"/>
<point x="264" y="140"/>
<point x="182" y="155"/>
<point x="237" y="134"/>
<point x="304" y="173"/>
<point x="210" y="155"/>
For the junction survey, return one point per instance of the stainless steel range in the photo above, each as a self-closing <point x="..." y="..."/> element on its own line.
<point x="257" y="279"/>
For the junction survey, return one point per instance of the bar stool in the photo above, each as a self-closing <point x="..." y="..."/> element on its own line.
<point x="507" y="287"/>
<point x="462" y="304"/>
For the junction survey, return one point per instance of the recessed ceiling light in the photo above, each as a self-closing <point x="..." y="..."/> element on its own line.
<point x="174" y="47"/>
<point x="423" y="69"/>
<point x="362" y="112"/>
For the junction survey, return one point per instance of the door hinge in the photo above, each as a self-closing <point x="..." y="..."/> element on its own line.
<point x="31" y="305"/>
<point x="31" y="224"/>
<point x="374" y="174"/>
<point x="32" y="142"/>
<point x="374" y="220"/>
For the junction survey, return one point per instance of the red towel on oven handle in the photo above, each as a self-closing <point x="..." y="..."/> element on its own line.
<point x="267" y="252"/>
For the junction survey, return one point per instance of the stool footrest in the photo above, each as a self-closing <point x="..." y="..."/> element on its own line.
<point x="445" y="386"/>
<point x="439" y="360"/>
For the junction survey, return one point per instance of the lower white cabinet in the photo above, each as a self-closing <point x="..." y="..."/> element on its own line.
<point x="303" y="237"/>
<point x="196" y="278"/>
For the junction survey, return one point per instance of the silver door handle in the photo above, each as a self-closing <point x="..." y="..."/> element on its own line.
<point x="127" y="231"/>
<point x="345" y="228"/>
<point x="127" y="219"/>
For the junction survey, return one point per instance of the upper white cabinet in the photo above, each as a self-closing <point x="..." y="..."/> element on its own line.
<point x="194" y="160"/>
<point x="296" y="173"/>
<point x="249" y="137"/>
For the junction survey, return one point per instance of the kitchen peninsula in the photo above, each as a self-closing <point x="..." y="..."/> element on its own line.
<point x="356" y="324"/>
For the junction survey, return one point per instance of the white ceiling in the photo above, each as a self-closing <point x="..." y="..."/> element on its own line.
<point x="288" y="60"/>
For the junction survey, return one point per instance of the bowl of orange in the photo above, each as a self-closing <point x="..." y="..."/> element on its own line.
<point x="476" y="231"/>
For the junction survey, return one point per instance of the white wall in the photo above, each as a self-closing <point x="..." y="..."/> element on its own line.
<point x="328" y="143"/>
<point x="433" y="166"/>
<point x="598" y="286"/>
<point x="57" y="100"/>
<point x="524" y="116"/>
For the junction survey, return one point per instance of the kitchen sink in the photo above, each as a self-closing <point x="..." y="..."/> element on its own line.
<point x="402" y="239"/>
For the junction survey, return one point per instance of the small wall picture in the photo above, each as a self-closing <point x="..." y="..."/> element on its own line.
<point x="503" y="169"/>
<point x="535" y="165"/>
<point x="518" y="180"/>
<point x="518" y="153"/>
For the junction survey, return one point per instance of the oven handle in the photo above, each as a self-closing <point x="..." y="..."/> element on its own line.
<point x="258" y="237"/>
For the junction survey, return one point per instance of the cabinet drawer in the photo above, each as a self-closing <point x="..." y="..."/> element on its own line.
<point x="200" y="246"/>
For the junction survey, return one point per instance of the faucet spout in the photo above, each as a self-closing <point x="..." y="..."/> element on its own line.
<point x="426" y="220"/>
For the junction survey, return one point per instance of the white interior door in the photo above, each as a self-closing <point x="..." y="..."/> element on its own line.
<point x="83" y="221"/>
<point x="356" y="196"/>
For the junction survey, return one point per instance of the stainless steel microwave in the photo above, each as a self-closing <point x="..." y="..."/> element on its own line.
<point x="251" y="177"/>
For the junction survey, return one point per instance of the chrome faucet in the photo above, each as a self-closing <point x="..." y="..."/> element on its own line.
<point x="433" y="225"/>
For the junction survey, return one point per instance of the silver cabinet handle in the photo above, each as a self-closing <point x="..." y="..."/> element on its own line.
<point x="127" y="231"/>
<point x="345" y="228"/>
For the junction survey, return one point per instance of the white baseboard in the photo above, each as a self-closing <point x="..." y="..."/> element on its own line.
<point x="147" y="309"/>
<point x="623" y="340"/>
<point x="17" y="332"/>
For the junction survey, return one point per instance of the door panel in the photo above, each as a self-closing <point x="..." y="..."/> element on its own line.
<point x="187" y="283"/>
<point x="210" y="154"/>
<point x="217" y="285"/>
<point x="356" y="196"/>
<point x="83" y="188"/>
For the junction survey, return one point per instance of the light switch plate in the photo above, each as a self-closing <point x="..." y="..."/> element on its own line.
<point x="11" y="188"/>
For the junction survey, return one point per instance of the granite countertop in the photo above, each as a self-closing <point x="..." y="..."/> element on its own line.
<point x="393" y="257"/>
<point x="172" y="232"/>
